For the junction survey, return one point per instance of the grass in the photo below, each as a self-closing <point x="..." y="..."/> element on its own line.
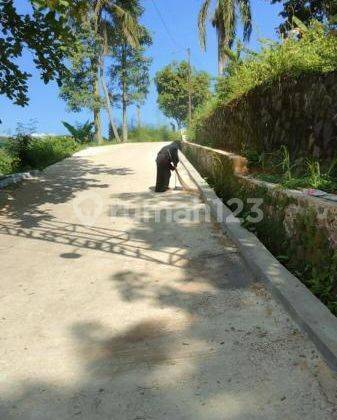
<point x="279" y="169"/>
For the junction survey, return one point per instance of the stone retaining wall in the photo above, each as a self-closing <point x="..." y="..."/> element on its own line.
<point x="300" y="113"/>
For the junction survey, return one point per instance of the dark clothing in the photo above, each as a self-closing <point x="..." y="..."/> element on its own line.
<point x="167" y="160"/>
<point x="163" y="174"/>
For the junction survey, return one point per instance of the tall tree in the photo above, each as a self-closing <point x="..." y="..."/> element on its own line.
<point x="174" y="84"/>
<point x="130" y="75"/>
<point x="142" y="85"/>
<point x="224" y="20"/>
<point x="97" y="32"/>
<point x="79" y="83"/>
<point x="306" y="10"/>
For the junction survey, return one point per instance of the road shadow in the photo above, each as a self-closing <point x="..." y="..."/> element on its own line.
<point x="208" y="350"/>
<point x="57" y="184"/>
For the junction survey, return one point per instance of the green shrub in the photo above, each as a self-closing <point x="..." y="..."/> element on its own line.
<point x="46" y="151"/>
<point x="152" y="134"/>
<point x="315" y="52"/>
<point x="7" y="162"/>
<point x="17" y="147"/>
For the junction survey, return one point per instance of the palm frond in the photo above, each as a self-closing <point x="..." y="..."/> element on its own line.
<point x="99" y="6"/>
<point x="246" y="18"/>
<point x="299" y="24"/>
<point x="202" y="21"/>
<point x="226" y="21"/>
<point x="129" y="26"/>
<point x="229" y="17"/>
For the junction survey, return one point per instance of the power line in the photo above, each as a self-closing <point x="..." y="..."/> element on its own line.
<point x="174" y="42"/>
<point x="166" y="26"/>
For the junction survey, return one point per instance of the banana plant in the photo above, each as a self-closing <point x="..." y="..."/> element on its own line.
<point x="81" y="133"/>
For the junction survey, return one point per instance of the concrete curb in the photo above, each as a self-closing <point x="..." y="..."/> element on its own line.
<point x="15" y="178"/>
<point x="309" y="313"/>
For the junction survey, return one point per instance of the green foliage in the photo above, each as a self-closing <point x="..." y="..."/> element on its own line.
<point x="45" y="32"/>
<point x="7" y="162"/>
<point x="314" y="259"/>
<point x="24" y="152"/>
<point x="102" y="23"/>
<point x="278" y="168"/>
<point x="315" y="52"/>
<point x="305" y="11"/>
<point x="306" y="250"/>
<point x="225" y="20"/>
<point x="153" y="134"/>
<point x="78" y="84"/>
<point x="286" y="164"/>
<point x="316" y="178"/>
<point x="47" y="151"/>
<point x="173" y="85"/>
<point x="18" y="148"/>
<point x="82" y="133"/>
<point x="129" y="72"/>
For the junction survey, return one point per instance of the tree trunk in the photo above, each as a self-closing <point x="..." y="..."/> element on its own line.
<point x="108" y="103"/>
<point x="221" y="58"/>
<point x="221" y="66"/>
<point x="97" y="116"/>
<point x="124" y="96"/>
<point x="125" y="119"/>
<point x="139" y="117"/>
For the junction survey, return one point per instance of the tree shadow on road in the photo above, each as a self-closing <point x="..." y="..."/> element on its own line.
<point x="58" y="184"/>
<point x="204" y="350"/>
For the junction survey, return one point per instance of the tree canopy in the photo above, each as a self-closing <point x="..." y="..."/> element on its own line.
<point x="307" y="10"/>
<point x="45" y="32"/>
<point x="129" y="74"/>
<point x="174" y="82"/>
<point x="97" y="33"/>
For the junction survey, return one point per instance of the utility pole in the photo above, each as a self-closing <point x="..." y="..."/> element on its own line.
<point x="189" y="86"/>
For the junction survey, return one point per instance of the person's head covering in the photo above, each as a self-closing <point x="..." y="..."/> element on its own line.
<point x="177" y="144"/>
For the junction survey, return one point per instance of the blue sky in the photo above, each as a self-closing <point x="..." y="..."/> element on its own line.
<point x="48" y="110"/>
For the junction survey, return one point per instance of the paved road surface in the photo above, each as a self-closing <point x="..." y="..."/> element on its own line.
<point x="122" y="317"/>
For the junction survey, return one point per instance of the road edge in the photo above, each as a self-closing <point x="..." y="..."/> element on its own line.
<point x="15" y="178"/>
<point x="307" y="311"/>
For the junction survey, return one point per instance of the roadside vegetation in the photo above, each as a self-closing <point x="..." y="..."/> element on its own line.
<point x="314" y="52"/>
<point x="95" y="51"/>
<point x="307" y="48"/>
<point x="278" y="168"/>
<point x="181" y="90"/>
<point x="310" y="49"/>
<point x="24" y="153"/>
<point x="152" y="134"/>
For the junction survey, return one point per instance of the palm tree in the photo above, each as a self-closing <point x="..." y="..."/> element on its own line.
<point x="224" y="19"/>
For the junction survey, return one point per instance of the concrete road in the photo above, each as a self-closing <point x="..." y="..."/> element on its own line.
<point x="117" y="303"/>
